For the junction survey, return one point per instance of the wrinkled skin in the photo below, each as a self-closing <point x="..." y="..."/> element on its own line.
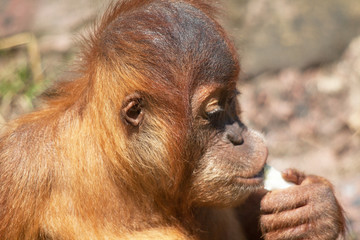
<point x="307" y="211"/>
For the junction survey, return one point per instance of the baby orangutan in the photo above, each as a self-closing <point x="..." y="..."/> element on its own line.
<point x="146" y="142"/>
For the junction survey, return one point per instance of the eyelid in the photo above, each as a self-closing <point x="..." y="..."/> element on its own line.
<point x="215" y="111"/>
<point x="212" y="105"/>
<point x="218" y="101"/>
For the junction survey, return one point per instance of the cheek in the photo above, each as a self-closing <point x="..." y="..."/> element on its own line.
<point x="215" y="185"/>
<point x="226" y="173"/>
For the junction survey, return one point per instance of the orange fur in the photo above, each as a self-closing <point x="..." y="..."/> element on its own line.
<point x="77" y="169"/>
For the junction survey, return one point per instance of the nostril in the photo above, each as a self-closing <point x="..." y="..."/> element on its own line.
<point x="235" y="139"/>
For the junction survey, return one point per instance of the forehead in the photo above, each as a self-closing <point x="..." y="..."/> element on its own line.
<point x="202" y="45"/>
<point x="180" y="43"/>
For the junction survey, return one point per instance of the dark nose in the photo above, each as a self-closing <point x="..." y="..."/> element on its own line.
<point x="234" y="133"/>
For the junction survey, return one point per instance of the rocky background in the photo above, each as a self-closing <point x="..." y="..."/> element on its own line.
<point x="300" y="75"/>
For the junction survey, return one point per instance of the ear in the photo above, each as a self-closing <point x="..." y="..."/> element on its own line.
<point x="132" y="112"/>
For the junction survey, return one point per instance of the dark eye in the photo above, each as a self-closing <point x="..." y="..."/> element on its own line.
<point x="132" y="112"/>
<point x="215" y="115"/>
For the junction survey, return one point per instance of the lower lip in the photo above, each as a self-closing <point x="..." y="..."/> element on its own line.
<point x="251" y="181"/>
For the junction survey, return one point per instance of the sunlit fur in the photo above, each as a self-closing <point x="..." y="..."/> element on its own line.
<point x="72" y="170"/>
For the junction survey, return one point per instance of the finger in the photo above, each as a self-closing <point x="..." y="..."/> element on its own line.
<point x="321" y="230"/>
<point x="286" y="219"/>
<point x="325" y="229"/>
<point x="300" y="232"/>
<point x="312" y="179"/>
<point x="282" y="200"/>
<point x="293" y="175"/>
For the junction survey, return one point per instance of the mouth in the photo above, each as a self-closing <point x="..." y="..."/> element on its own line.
<point x="256" y="179"/>
<point x="259" y="174"/>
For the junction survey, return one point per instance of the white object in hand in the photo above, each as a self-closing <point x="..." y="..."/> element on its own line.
<point x="273" y="179"/>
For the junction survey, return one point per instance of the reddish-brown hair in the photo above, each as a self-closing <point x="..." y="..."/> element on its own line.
<point x="73" y="167"/>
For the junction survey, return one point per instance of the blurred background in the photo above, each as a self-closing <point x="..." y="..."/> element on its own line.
<point x="300" y="75"/>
